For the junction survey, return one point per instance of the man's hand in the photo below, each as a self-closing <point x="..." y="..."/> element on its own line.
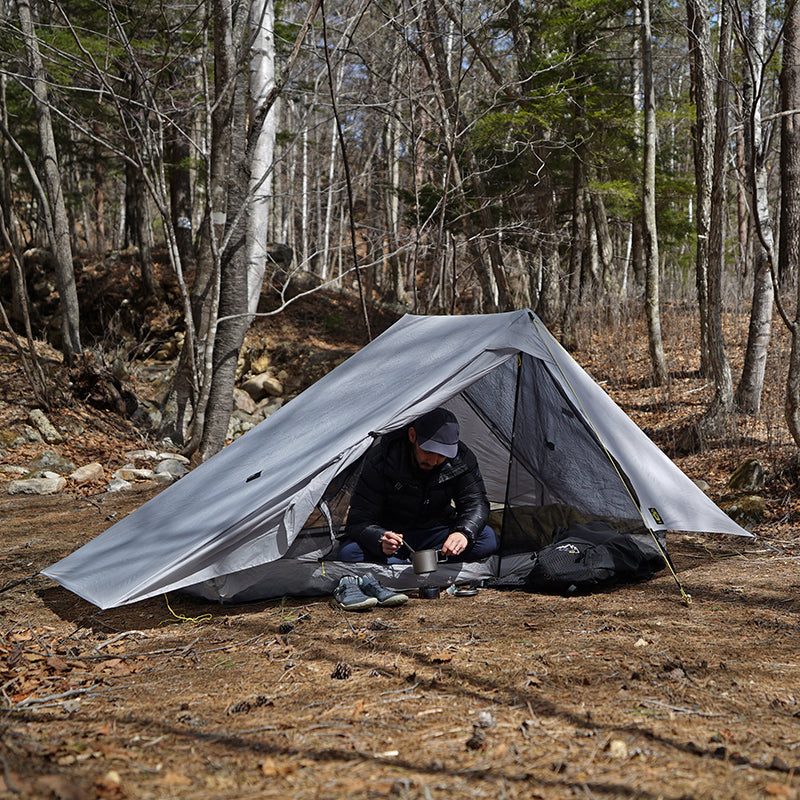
<point x="455" y="544"/>
<point x="391" y="542"/>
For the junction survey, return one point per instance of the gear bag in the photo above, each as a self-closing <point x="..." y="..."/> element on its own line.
<point x="589" y="556"/>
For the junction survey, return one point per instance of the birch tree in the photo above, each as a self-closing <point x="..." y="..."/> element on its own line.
<point x="652" y="268"/>
<point x="263" y="127"/>
<point x="751" y="382"/>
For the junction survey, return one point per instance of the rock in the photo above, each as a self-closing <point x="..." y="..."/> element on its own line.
<point x="702" y="485"/>
<point x="50" y="460"/>
<point x="32" y="435"/>
<point x="617" y="749"/>
<point x="120" y="370"/>
<point x="745" y="509"/>
<point x="147" y="414"/>
<point x="42" y="485"/>
<point x="135" y="455"/>
<point x="44" y="426"/>
<point x="167" y="351"/>
<point x="173" y="457"/>
<point x="263" y="385"/>
<point x="170" y="466"/>
<point x="237" y="426"/>
<point x="268" y="406"/>
<point x="748" y="477"/>
<point x="486" y="720"/>
<point x="261" y="364"/>
<point x="9" y="439"/>
<point x="131" y="473"/>
<point x="118" y="485"/>
<point x="13" y="469"/>
<point x="88" y="473"/>
<point x="243" y="401"/>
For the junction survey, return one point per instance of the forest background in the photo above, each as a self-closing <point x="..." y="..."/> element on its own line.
<point x="432" y="156"/>
<point x="188" y="177"/>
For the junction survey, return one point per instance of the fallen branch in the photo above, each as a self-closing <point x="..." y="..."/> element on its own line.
<point x="681" y="710"/>
<point x="121" y="636"/>
<point x="36" y="701"/>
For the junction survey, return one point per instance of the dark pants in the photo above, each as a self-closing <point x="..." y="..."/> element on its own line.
<point x="485" y="544"/>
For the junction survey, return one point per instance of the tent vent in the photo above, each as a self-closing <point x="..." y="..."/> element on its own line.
<point x="253" y="477"/>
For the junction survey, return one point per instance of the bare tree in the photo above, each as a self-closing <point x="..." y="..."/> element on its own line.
<point x="652" y="269"/>
<point x="701" y="93"/>
<point x="790" y="191"/>
<point x="751" y="382"/>
<point x="262" y="126"/>
<point x="56" y="212"/>
<point x="718" y="414"/>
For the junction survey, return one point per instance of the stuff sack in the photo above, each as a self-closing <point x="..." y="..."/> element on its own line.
<point x="588" y="556"/>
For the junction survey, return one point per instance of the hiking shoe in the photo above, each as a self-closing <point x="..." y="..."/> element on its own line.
<point x="384" y="596"/>
<point x="348" y="595"/>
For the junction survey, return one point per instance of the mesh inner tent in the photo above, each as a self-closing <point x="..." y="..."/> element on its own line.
<point x="558" y="472"/>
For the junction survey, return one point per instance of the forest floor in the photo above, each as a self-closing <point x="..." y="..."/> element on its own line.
<point x="630" y="693"/>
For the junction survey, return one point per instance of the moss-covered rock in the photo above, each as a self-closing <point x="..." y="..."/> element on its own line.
<point x="748" y="477"/>
<point x="745" y="509"/>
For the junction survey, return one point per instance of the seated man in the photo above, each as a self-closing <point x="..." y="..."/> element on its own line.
<point x="419" y="485"/>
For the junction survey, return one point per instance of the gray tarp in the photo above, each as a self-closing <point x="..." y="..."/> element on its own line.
<point x="245" y="506"/>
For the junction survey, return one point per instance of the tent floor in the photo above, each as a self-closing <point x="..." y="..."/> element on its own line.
<point x="302" y="578"/>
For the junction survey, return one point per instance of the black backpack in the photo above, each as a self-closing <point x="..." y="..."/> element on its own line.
<point x="589" y="556"/>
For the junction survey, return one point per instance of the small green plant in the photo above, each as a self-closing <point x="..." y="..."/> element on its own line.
<point x="333" y="322"/>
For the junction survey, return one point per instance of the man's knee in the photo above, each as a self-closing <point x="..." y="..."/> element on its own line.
<point x="486" y="544"/>
<point x="350" y="551"/>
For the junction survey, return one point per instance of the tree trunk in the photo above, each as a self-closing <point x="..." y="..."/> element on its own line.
<point x="718" y="414"/>
<point x="393" y="146"/>
<point x="232" y="319"/>
<point x="578" y="240"/>
<point x="58" y="227"/>
<point x="701" y="72"/>
<point x="549" y="305"/>
<point x="180" y="190"/>
<point x="790" y="205"/>
<point x="143" y="236"/>
<point x="184" y="416"/>
<point x="652" y="267"/>
<point x="263" y="128"/>
<point x="748" y="392"/>
<point x="789" y="239"/>
<point x="605" y="247"/>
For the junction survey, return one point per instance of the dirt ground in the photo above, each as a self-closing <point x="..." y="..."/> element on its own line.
<point x="630" y="693"/>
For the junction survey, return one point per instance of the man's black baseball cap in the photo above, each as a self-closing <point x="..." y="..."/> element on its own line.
<point x="437" y="432"/>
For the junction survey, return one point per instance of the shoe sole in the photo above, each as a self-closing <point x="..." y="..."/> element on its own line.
<point x="362" y="605"/>
<point x="396" y="600"/>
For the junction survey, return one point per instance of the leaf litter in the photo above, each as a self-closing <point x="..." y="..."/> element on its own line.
<point x="628" y="693"/>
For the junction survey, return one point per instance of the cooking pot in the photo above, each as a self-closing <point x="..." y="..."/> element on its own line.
<point x="426" y="561"/>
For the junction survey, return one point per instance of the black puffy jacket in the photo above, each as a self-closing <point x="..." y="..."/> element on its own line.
<point x="394" y="494"/>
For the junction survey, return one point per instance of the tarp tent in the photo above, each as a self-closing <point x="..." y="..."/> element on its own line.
<point x="237" y="527"/>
